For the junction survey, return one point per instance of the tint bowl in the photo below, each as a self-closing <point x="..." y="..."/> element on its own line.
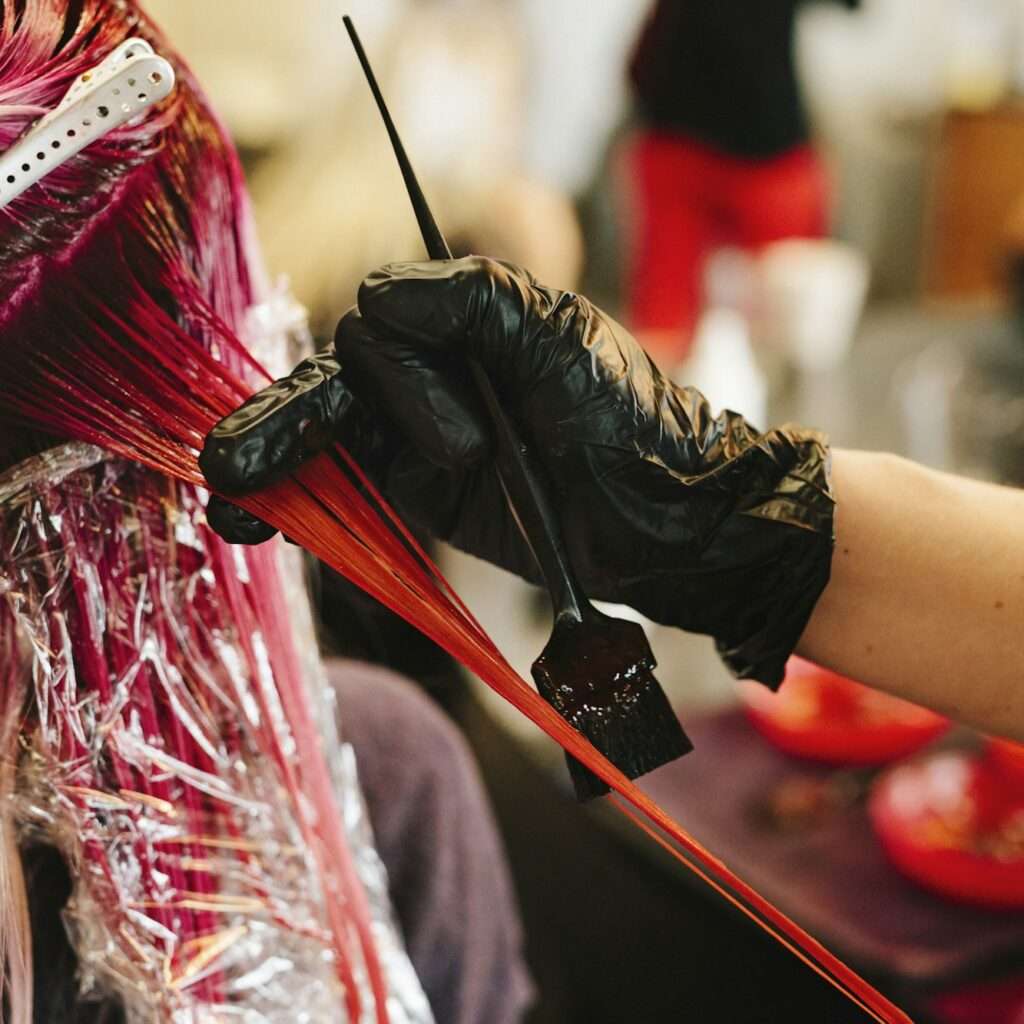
<point x="954" y="823"/>
<point x="825" y="717"/>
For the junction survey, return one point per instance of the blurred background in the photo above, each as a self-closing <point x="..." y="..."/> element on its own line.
<point x="813" y="212"/>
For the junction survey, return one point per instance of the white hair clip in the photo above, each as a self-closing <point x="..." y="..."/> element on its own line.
<point x="123" y="87"/>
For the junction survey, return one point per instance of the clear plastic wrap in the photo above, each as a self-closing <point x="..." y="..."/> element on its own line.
<point x="141" y="660"/>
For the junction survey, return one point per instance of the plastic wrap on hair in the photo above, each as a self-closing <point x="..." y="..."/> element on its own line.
<point x="152" y="749"/>
<point x="276" y="330"/>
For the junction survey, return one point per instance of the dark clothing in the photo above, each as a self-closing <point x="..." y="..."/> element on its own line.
<point x="723" y="72"/>
<point x="434" y="830"/>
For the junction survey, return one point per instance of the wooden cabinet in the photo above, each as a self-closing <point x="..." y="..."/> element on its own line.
<point x="977" y="180"/>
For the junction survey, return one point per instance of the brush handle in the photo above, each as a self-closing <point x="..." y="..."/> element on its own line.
<point x="531" y="505"/>
<point x="525" y="490"/>
<point x="437" y="247"/>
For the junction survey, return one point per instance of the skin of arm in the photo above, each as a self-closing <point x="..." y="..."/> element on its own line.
<point x="926" y="598"/>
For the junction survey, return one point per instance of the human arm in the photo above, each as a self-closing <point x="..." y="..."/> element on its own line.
<point x="926" y="597"/>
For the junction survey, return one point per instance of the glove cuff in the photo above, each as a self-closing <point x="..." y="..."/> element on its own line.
<point x="790" y="491"/>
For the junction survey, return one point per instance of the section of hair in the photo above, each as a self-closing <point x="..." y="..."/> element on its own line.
<point x="156" y="208"/>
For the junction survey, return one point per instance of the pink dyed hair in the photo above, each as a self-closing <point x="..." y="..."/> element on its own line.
<point x="156" y="211"/>
<point x="145" y="234"/>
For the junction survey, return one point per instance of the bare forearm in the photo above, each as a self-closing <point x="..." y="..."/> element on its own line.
<point x="926" y="598"/>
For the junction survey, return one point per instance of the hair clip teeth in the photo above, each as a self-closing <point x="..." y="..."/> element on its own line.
<point x="125" y="86"/>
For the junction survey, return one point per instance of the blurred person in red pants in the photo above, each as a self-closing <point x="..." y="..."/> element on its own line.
<point x="723" y="156"/>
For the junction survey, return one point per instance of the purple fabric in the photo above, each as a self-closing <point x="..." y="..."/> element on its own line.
<point x="833" y="879"/>
<point x="448" y="877"/>
<point x="992" y="1003"/>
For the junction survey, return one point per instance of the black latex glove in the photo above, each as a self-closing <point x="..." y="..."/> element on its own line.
<point x="695" y="520"/>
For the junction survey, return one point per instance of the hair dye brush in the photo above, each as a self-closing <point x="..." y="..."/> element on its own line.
<point x="596" y="671"/>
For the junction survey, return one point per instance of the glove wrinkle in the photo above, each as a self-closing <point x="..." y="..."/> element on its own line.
<point x="268" y="437"/>
<point x="423" y="395"/>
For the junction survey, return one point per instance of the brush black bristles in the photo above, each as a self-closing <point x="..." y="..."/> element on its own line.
<point x="598" y="674"/>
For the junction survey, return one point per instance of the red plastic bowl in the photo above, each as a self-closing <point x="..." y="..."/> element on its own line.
<point x="954" y="824"/>
<point x="826" y="717"/>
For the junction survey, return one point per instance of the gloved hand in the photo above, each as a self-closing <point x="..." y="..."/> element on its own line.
<point x="696" y="521"/>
